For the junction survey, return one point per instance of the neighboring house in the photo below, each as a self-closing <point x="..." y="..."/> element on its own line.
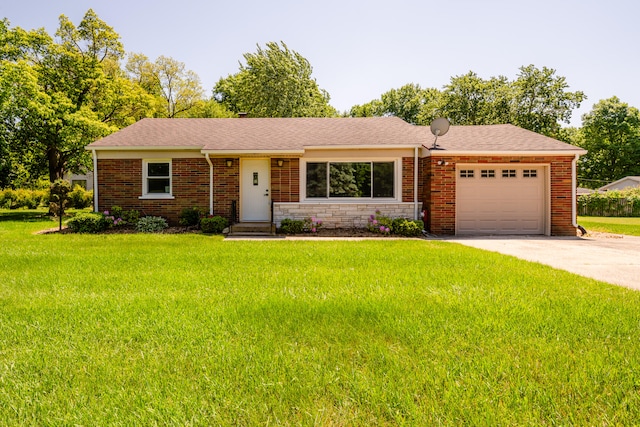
<point x="497" y="179"/>
<point x="84" y="180"/>
<point x="621" y="184"/>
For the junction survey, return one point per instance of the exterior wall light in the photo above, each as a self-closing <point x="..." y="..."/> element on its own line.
<point x="280" y="163"/>
<point x="229" y="162"/>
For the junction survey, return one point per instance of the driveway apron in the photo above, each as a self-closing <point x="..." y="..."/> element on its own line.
<point x="609" y="258"/>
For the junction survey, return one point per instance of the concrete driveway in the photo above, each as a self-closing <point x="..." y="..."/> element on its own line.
<point x="610" y="258"/>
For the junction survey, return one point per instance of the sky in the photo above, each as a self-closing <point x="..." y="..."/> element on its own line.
<point x="360" y="49"/>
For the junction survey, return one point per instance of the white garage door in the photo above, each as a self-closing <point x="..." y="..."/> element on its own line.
<point x="500" y="199"/>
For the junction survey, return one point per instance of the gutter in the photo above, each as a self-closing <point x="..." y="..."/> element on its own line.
<point x="574" y="196"/>
<point x="210" y="183"/>
<point x="95" y="180"/>
<point x="415" y="184"/>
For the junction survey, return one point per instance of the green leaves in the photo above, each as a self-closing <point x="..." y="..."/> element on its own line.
<point x="274" y="82"/>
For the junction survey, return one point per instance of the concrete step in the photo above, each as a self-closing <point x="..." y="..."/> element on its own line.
<point x="252" y="229"/>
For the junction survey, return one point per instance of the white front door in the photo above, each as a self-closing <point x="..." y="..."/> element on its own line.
<point x="255" y="185"/>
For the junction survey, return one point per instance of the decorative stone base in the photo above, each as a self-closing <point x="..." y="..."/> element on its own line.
<point x="342" y="215"/>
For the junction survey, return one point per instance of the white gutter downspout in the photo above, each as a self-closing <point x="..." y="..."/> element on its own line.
<point x="95" y="180"/>
<point x="210" y="184"/>
<point x="574" y="184"/>
<point x="415" y="184"/>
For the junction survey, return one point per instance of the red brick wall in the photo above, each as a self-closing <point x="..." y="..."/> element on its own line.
<point x="285" y="181"/>
<point x="226" y="188"/>
<point x="439" y="195"/>
<point x="407" y="179"/>
<point x="120" y="184"/>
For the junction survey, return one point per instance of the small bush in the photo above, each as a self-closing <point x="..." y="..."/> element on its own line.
<point x="407" y="227"/>
<point x="22" y="198"/>
<point x="213" y="225"/>
<point x="131" y="216"/>
<point x="91" y="222"/>
<point x="292" y="226"/>
<point x="151" y="224"/>
<point x="190" y="217"/>
<point x="379" y="223"/>
<point x="80" y="198"/>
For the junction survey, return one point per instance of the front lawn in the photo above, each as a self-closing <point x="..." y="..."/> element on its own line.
<point x="616" y="225"/>
<point x="190" y="329"/>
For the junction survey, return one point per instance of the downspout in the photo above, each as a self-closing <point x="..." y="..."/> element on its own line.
<point x="415" y="184"/>
<point x="574" y="184"/>
<point x="210" y="184"/>
<point x="95" y="180"/>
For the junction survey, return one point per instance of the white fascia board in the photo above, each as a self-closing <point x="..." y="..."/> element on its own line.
<point x="250" y="152"/>
<point x="145" y="148"/>
<point x="361" y="147"/>
<point x="444" y="153"/>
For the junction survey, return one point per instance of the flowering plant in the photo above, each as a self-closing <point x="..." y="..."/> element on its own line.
<point x="379" y="223"/>
<point x="113" y="220"/>
<point x="312" y="224"/>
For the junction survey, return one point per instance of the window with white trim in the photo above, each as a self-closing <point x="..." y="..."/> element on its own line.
<point x="343" y="180"/>
<point x="156" y="178"/>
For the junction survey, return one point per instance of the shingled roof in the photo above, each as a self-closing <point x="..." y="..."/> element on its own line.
<point x="298" y="134"/>
<point x="263" y="134"/>
<point x="497" y="138"/>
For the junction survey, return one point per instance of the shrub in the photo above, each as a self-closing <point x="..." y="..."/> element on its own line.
<point x="131" y="216"/>
<point x="312" y="224"/>
<point x="292" y="226"/>
<point x="190" y="216"/>
<point x="91" y="222"/>
<point x="22" y="198"/>
<point x="379" y="223"/>
<point x="407" y="227"/>
<point x="214" y="224"/>
<point x="151" y="224"/>
<point x="80" y="198"/>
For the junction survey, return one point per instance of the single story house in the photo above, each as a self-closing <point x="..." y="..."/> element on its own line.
<point x="496" y="179"/>
<point x="621" y="184"/>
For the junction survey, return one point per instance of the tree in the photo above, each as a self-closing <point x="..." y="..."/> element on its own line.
<point x="471" y="100"/>
<point x="410" y="102"/>
<point x="275" y="82"/>
<point x="611" y="134"/>
<point x="541" y="100"/>
<point x="176" y="89"/>
<point x="57" y="96"/>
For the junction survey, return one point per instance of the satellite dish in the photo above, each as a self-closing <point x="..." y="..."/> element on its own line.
<point x="439" y="127"/>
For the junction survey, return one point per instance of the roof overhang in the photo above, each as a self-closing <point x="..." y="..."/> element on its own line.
<point x="252" y="152"/>
<point x="143" y="148"/>
<point x="362" y="147"/>
<point x="441" y="153"/>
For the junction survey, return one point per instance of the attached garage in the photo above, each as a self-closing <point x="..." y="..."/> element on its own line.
<point x="501" y="199"/>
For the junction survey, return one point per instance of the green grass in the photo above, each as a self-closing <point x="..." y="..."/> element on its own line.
<point x="193" y="330"/>
<point x="616" y="225"/>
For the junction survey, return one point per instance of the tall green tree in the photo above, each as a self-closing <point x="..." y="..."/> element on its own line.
<point x="410" y="102"/>
<point x="611" y="135"/>
<point x="541" y="100"/>
<point x="274" y="82"/>
<point x="177" y="90"/>
<point x="56" y="96"/>
<point x="471" y="100"/>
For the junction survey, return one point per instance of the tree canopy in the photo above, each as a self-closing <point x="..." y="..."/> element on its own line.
<point x="274" y="82"/>
<point x="611" y="134"/>
<point x="537" y="100"/>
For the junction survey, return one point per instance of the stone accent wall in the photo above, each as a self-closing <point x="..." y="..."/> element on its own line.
<point x="439" y="190"/>
<point x="285" y="180"/>
<point x="120" y="184"/>
<point x="342" y="215"/>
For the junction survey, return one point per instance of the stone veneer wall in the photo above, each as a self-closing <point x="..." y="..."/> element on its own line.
<point x="439" y="190"/>
<point x="342" y="215"/>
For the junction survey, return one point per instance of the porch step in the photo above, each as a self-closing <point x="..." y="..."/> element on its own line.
<point x="252" y="229"/>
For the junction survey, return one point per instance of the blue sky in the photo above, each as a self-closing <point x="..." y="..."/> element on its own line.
<point x="360" y="49"/>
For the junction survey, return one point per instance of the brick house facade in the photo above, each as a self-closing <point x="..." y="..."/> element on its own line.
<point x="161" y="166"/>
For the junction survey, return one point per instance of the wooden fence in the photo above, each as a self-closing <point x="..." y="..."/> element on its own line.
<point x="590" y="205"/>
